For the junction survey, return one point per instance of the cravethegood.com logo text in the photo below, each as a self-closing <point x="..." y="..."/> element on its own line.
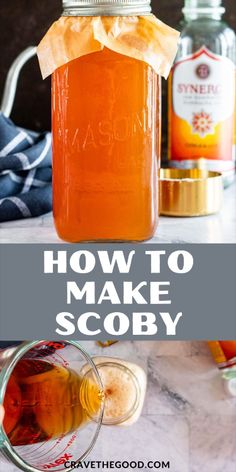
<point x="122" y="465"/>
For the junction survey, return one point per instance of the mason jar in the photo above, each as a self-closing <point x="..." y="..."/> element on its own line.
<point x="106" y="137"/>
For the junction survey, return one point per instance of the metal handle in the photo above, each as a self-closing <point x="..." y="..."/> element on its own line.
<point x="10" y="87"/>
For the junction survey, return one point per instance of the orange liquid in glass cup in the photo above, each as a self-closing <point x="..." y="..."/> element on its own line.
<point x="106" y="148"/>
<point x="44" y="402"/>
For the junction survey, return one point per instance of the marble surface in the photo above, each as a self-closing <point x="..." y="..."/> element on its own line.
<point x="187" y="418"/>
<point x="220" y="228"/>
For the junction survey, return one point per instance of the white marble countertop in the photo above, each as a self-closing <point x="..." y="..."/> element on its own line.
<point x="220" y="228"/>
<point x="187" y="418"/>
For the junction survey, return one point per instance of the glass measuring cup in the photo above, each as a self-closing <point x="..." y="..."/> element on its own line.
<point x="60" y="399"/>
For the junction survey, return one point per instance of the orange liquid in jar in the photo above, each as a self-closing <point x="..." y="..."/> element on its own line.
<point x="105" y="110"/>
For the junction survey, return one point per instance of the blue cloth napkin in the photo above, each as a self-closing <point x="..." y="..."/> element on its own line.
<point x="25" y="172"/>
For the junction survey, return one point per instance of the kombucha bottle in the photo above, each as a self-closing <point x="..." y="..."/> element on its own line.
<point x="224" y="353"/>
<point x="202" y="92"/>
<point x="106" y="122"/>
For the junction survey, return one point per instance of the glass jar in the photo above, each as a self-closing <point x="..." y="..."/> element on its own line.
<point x="202" y="92"/>
<point x="106" y="138"/>
<point x="124" y="386"/>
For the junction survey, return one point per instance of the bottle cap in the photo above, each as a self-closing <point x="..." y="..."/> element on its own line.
<point x="193" y="7"/>
<point x="229" y="379"/>
<point x="108" y="7"/>
<point x="230" y="387"/>
<point x="202" y="3"/>
<point x="190" y="192"/>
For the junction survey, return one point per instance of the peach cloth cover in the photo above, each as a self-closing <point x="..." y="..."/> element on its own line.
<point x="142" y="37"/>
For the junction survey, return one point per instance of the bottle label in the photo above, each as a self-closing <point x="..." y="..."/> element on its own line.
<point x="202" y="108"/>
<point x="224" y="352"/>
